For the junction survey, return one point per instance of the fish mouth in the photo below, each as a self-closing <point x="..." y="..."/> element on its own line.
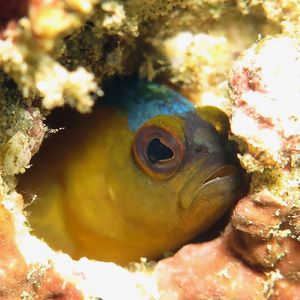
<point x="223" y="171"/>
<point x="213" y="180"/>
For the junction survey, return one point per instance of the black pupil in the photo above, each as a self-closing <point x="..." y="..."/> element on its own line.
<point x="157" y="151"/>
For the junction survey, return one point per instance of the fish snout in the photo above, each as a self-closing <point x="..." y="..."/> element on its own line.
<point x="212" y="184"/>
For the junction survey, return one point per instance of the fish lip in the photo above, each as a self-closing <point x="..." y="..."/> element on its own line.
<point x="221" y="172"/>
<point x="217" y="169"/>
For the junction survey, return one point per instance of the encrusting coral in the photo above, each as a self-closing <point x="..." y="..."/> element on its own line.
<point x="58" y="52"/>
<point x="263" y="231"/>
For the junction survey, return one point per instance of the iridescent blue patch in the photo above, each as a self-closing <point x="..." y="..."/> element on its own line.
<point x="143" y="100"/>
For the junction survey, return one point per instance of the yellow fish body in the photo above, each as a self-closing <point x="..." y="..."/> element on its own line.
<point x="140" y="176"/>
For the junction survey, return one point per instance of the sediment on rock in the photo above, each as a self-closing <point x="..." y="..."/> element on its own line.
<point x="59" y="52"/>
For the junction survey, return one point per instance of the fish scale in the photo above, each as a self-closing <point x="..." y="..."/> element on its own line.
<point x="103" y="197"/>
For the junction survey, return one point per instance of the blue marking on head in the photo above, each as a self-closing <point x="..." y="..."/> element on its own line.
<point x="143" y="100"/>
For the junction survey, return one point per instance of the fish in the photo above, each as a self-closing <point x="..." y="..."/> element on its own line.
<point x="140" y="176"/>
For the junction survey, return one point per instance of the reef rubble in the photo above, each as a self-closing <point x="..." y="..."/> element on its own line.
<point x="241" y="56"/>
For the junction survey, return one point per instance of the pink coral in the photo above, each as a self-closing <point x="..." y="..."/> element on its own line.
<point x="265" y="90"/>
<point x="247" y="262"/>
<point x="257" y="256"/>
<point x="15" y="281"/>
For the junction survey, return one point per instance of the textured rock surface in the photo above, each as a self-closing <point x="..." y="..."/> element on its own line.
<point x="246" y="262"/>
<point x="58" y="52"/>
<point x="19" y="280"/>
<point x="209" y="271"/>
<point x="257" y="256"/>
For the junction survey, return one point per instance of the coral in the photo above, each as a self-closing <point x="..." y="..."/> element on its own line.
<point x="260" y="246"/>
<point x="282" y="12"/>
<point x="25" y="56"/>
<point x="22" y="131"/>
<point x="59" y="52"/>
<point x="199" y="62"/>
<point x="208" y="271"/>
<point x="270" y="117"/>
<point x="20" y="280"/>
<point x="218" y="269"/>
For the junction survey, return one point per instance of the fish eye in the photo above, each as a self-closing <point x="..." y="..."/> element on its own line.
<point x="157" y="151"/>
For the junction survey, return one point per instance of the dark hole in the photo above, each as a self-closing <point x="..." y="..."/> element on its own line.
<point x="157" y="151"/>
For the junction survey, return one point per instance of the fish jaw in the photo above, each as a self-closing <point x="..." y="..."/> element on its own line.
<point x="212" y="187"/>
